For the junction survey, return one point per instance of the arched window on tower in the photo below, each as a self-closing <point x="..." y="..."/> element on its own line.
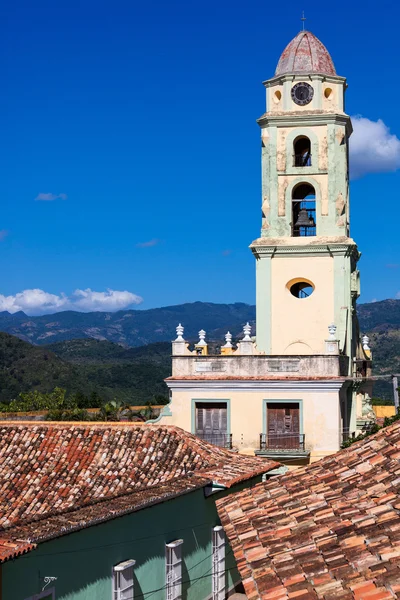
<point x="302" y="152"/>
<point x="303" y="210"/>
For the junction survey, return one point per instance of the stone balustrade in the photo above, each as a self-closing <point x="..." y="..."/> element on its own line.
<point x="246" y="361"/>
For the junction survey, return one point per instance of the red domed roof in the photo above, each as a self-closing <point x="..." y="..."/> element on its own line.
<point x="305" y="54"/>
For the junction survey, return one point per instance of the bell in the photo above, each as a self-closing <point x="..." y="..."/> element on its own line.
<point x="303" y="220"/>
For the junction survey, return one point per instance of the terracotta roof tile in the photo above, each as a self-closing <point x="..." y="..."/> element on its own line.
<point x="94" y="472"/>
<point x="305" y="54"/>
<point x="330" y="530"/>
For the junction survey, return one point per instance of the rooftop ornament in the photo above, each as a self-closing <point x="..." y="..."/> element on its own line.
<point x="247" y="332"/>
<point x="179" y="332"/>
<point x="228" y="340"/>
<point x="332" y="331"/>
<point x="365" y="342"/>
<point x="202" y="338"/>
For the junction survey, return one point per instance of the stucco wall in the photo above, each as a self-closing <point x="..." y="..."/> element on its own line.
<point x="321" y="420"/>
<point x="258" y="365"/>
<point x="83" y="561"/>
<point x="384" y="411"/>
<point x="300" y="325"/>
<point x="277" y="104"/>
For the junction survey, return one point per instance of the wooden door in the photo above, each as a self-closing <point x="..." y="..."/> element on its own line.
<point x="283" y="425"/>
<point x="212" y="422"/>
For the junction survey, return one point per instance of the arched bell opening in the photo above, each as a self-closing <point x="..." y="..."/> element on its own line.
<point x="302" y="152"/>
<point x="303" y="211"/>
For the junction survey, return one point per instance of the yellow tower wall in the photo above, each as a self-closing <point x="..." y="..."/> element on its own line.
<point x="300" y="325"/>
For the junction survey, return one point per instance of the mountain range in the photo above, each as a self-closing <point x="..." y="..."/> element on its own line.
<point x="130" y="327"/>
<point x="126" y="355"/>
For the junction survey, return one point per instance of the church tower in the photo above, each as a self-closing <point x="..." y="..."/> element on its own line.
<point x="298" y="390"/>
<point x="306" y="270"/>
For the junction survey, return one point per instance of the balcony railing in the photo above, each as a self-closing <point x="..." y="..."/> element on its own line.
<point x="282" y="442"/>
<point x="223" y="440"/>
<point x="302" y="160"/>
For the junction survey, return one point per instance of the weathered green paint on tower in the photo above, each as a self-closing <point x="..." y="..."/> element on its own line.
<point x="305" y="165"/>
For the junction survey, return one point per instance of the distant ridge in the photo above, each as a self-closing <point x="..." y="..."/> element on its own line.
<point x="130" y="327"/>
<point x="138" y="328"/>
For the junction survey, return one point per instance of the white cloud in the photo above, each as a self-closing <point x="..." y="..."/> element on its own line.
<point x="87" y="300"/>
<point x="373" y="149"/>
<point x="398" y="295"/>
<point x="49" y="197"/>
<point x="33" y="302"/>
<point x="148" y="244"/>
<point x="39" y="302"/>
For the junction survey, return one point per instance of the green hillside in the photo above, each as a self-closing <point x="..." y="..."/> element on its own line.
<point x="126" y="355"/>
<point x="91" y="351"/>
<point x="135" y="378"/>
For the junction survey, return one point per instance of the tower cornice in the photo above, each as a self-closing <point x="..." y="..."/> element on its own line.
<point x="281" y="79"/>
<point x="274" y="247"/>
<point x="294" y="119"/>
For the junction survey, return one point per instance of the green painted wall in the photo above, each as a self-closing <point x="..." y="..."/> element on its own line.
<point x="83" y="561"/>
<point x="263" y="303"/>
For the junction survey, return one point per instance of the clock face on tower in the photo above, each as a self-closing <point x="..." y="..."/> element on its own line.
<point x="302" y="93"/>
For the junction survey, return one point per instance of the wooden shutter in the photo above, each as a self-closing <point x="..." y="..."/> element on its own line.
<point x="199" y="420"/>
<point x="283" y="424"/>
<point x="218" y="564"/>
<point x="223" y="415"/>
<point x="211" y="418"/>
<point x="212" y="421"/>
<point x="173" y="570"/>
<point x="123" y="581"/>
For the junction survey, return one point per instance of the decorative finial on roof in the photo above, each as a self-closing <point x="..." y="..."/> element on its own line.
<point x="228" y="339"/>
<point x="332" y="331"/>
<point x="303" y="18"/>
<point x="179" y="333"/>
<point x="365" y="342"/>
<point x="247" y="331"/>
<point x="202" y="340"/>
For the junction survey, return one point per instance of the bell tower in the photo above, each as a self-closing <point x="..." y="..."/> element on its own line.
<point x="306" y="270"/>
<point x="301" y="388"/>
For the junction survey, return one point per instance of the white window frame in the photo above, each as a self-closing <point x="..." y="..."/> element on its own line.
<point x="119" y="593"/>
<point x="49" y="593"/>
<point x="173" y="570"/>
<point x="218" y="563"/>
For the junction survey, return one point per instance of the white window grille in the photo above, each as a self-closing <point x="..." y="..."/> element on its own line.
<point x="173" y="570"/>
<point x="123" y="580"/>
<point x="218" y="563"/>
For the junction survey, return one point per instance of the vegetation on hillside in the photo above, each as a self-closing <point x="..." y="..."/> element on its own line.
<point x="134" y="379"/>
<point x="81" y="362"/>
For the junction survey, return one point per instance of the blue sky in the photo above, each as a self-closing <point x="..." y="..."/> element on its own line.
<point x="134" y="125"/>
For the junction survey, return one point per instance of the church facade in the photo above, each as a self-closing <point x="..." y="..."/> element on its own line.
<point x="298" y="388"/>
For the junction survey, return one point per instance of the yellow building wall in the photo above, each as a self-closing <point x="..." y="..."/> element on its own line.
<point x="384" y="411"/>
<point x="300" y="325"/>
<point x="320" y="414"/>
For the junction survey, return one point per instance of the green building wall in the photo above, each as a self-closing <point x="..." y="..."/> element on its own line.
<point x="83" y="561"/>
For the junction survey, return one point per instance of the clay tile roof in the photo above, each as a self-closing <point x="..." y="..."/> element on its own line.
<point x="95" y="472"/>
<point x="9" y="549"/>
<point x="330" y="530"/>
<point x="305" y="54"/>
